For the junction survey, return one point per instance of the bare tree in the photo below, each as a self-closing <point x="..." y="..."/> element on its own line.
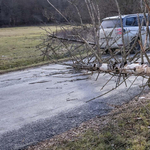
<point x="15" y="12"/>
<point x="81" y="44"/>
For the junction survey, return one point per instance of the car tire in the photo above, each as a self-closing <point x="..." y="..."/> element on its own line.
<point x="136" y="47"/>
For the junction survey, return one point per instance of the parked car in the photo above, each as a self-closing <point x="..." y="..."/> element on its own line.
<point x="111" y="31"/>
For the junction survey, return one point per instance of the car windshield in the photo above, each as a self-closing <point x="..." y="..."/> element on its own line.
<point x="111" y="23"/>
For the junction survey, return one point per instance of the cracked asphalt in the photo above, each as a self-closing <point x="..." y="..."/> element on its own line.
<point x="38" y="103"/>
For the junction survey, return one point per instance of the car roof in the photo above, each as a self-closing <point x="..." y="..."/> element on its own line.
<point x="123" y="16"/>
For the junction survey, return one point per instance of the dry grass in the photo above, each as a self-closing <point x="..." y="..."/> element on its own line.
<point x="125" y="128"/>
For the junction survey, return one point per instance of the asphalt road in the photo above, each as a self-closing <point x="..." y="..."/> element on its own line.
<point x="36" y="104"/>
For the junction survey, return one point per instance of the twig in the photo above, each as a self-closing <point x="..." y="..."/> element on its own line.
<point x="57" y="10"/>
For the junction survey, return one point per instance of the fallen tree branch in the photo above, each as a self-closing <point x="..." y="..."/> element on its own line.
<point x="117" y="68"/>
<point x="71" y="40"/>
<point x="135" y="68"/>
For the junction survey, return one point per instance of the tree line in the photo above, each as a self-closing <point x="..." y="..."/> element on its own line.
<point x="29" y="12"/>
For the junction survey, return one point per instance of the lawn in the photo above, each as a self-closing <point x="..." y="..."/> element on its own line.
<point x="18" y="46"/>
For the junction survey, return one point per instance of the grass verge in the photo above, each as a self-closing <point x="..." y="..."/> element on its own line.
<point x="126" y="128"/>
<point x="18" y="46"/>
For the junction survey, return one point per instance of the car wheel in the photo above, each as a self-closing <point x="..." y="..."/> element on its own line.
<point x="134" y="45"/>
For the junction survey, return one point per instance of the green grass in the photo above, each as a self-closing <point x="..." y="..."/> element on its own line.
<point x="18" y="46"/>
<point x="129" y="131"/>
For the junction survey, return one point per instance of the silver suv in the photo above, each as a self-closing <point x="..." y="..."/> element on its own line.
<point x="111" y="31"/>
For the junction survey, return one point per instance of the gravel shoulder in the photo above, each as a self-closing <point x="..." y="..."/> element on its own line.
<point x="95" y="124"/>
<point x="50" y="100"/>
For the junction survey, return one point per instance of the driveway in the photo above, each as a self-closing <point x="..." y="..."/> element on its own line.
<point x="38" y="103"/>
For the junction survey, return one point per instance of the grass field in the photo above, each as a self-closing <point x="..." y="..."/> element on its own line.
<point x="18" y="46"/>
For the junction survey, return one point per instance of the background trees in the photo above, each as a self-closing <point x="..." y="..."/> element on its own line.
<point x="27" y="12"/>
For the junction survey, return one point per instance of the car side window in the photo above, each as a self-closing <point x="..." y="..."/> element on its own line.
<point x="132" y="21"/>
<point x="145" y="21"/>
<point x="149" y="20"/>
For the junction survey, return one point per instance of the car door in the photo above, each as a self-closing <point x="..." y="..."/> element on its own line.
<point x="132" y="29"/>
<point x="144" y="31"/>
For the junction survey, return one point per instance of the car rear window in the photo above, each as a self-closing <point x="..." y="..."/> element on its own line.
<point x="111" y="23"/>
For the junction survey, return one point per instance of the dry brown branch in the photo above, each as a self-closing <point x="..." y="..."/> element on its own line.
<point x="78" y="11"/>
<point x="82" y="44"/>
<point x="57" y="10"/>
<point x="147" y="6"/>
